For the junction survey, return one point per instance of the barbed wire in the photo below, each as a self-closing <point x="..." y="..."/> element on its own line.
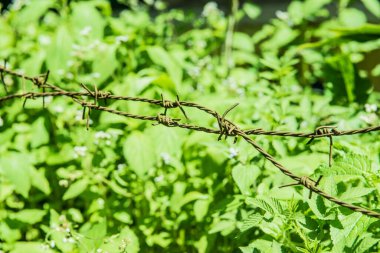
<point x="226" y="127"/>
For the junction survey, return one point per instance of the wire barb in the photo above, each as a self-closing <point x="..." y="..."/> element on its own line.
<point x="227" y="128"/>
<point x="165" y="120"/>
<point x="306" y="182"/>
<point x="170" y="104"/>
<point x="327" y="131"/>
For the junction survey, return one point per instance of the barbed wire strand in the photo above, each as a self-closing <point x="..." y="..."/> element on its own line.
<point x="226" y="128"/>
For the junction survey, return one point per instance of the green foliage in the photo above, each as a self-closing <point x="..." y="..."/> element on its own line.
<point x="127" y="186"/>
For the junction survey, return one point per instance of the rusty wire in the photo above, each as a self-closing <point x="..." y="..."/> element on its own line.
<point x="226" y="127"/>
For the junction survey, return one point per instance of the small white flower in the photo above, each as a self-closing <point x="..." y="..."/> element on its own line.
<point x="44" y="40"/>
<point x="369" y="118"/>
<point x="209" y="8"/>
<point x="78" y="115"/>
<point x="95" y="75"/>
<point x="158" y="179"/>
<point x="102" y="135"/>
<point x="80" y="151"/>
<point x="201" y="44"/>
<point x="194" y="72"/>
<point x="283" y="15"/>
<point x="99" y="251"/>
<point x="1" y="122"/>
<point x="43" y="246"/>
<point x="64" y="240"/>
<point x="121" y="167"/>
<point x="76" y="47"/>
<point x="70" y="76"/>
<point x="58" y="108"/>
<point x="70" y="63"/>
<point x="120" y="39"/>
<point x="370" y="108"/>
<point x="48" y="99"/>
<point x="100" y="202"/>
<point x="165" y="157"/>
<point x="63" y="183"/>
<point x="60" y="72"/>
<point x="86" y="31"/>
<point x="52" y="244"/>
<point x="233" y="152"/>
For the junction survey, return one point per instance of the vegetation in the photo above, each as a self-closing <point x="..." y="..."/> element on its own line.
<point x="127" y="186"/>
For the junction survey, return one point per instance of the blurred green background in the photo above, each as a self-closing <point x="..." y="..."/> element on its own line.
<point x="127" y="186"/>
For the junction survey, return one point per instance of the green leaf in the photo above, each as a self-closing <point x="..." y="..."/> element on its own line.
<point x="223" y="225"/>
<point x="348" y="230"/>
<point x="243" y="42"/>
<point x="87" y="20"/>
<point x="125" y="241"/>
<point x="139" y="152"/>
<point x="270" y="205"/>
<point x="16" y="168"/>
<point x="351" y="17"/>
<point x="373" y="6"/>
<point x="32" y="12"/>
<point x="39" y="180"/>
<point x="30" y="216"/>
<point x="105" y="63"/>
<point x="94" y="234"/>
<point x="244" y="177"/>
<point x="200" y="209"/>
<point x="252" y="10"/>
<point x="355" y="193"/>
<point x="76" y="189"/>
<point x="161" y="57"/>
<point x="250" y="222"/>
<point x="39" y="133"/>
<point x="59" y="51"/>
<point x="348" y="165"/>
<point x="30" y="247"/>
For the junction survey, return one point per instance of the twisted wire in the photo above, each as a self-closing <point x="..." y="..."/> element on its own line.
<point x="226" y="127"/>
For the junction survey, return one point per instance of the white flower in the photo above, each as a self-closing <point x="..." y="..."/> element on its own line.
<point x="85" y="31"/>
<point x="1" y="122"/>
<point x="76" y="47"/>
<point x="99" y="251"/>
<point x="369" y="118"/>
<point x="209" y="9"/>
<point x="100" y="202"/>
<point x="58" y="108"/>
<point x="102" y="135"/>
<point x="165" y="157"/>
<point x="121" y="167"/>
<point x="48" y="99"/>
<point x="80" y="151"/>
<point x="120" y="39"/>
<point x="95" y="75"/>
<point x="283" y="15"/>
<point x="370" y="108"/>
<point x="158" y="179"/>
<point x="233" y="152"/>
<point x="70" y="76"/>
<point x="52" y="244"/>
<point x="194" y="72"/>
<point x="44" y="40"/>
<point x="60" y="72"/>
<point x="78" y="115"/>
